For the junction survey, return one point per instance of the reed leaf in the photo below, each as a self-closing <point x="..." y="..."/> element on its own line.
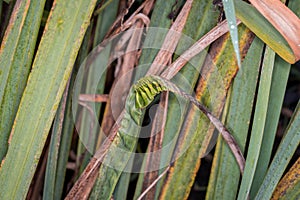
<point x="283" y="155"/>
<point x="51" y="70"/>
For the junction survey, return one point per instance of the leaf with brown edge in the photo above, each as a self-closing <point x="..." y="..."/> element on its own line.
<point x="283" y="19"/>
<point x="288" y="187"/>
<point x="197" y="130"/>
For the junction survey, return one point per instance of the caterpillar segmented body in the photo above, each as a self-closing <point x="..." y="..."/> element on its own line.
<point x="140" y="96"/>
<point x="122" y="144"/>
<point x="148" y="87"/>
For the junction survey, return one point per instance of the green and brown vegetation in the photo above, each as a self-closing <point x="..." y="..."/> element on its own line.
<point x="68" y="132"/>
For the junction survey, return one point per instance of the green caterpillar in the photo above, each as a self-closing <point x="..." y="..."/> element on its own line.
<point x="147" y="88"/>
<point x="120" y="145"/>
<point x="140" y="96"/>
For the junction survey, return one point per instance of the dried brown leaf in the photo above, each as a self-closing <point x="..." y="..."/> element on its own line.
<point x="283" y="19"/>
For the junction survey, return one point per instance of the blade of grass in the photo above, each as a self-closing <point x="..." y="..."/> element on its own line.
<point x="67" y="132"/>
<point x="122" y="187"/>
<point x="51" y="70"/>
<point x="224" y="178"/>
<point x="65" y="145"/>
<point x="258" y="123"/>
<point x="16" y="57"/>
<point x="284" y="153"/>
<point x="191" y="71"/>
<point x="279" y="81"/>
<point x="103" y="7"/>
<point x="56" y="134"/>
<point x="231" y="19"/>
<point x="107" y="16"/>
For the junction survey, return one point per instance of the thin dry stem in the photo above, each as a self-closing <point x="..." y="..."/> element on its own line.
<point x="155" y="144"/>
<point x="199" y="46"/>
<point x="98" y="98"/>
<point x="154" y="183"/>
<point x="171" y="41"/>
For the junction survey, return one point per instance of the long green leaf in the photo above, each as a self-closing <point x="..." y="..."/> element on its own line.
<point x="282" y="157"/>
<point x="224" y="178"/>
<point x="56" y="134"/>
<point x="279" y="81"/>
<point x="51" y="69"/>
<point x="65" y="144"/>
<point x="60" y="142"/>
<point x="68" y="126"/>
<point x="201" y="19"/>
<point x="16" y="57"/>
<point x="258" y="123"/>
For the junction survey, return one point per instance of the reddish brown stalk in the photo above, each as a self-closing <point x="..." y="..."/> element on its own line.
<point x="283" y="19"/>
<point x="153" y="184"/>
<point x="199" y="46"/>
<point x="99" y="98"/>
<point x="125" y="70"/>
<point x="117" y="25"/>
<point x="86" y="181"/>
<point x="220" y="127"/>
<point x="171" y="41"/>
<point x="119" y="20"/>
<point x="155" y="144"/>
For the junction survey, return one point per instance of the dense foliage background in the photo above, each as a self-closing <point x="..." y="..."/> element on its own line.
<point x="49" y="133"/>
